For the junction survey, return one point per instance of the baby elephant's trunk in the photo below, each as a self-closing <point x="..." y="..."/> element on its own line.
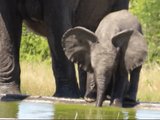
<point x="102" y="83"/>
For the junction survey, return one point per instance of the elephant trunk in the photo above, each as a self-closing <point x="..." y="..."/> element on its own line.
<point x="102" y="84"/>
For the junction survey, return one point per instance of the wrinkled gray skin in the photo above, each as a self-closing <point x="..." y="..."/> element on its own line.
<point x="49" y="18"/>
<point x="116" y="49"/>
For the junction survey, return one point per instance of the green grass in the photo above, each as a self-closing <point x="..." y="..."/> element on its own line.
<point x="37" y="79"/>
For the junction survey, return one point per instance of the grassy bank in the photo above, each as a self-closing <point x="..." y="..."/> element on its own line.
<point x="37" y="79"/>
<point x="149" y="89"/>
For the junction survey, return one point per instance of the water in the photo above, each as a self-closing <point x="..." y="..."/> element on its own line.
<point x="70" y="111"/>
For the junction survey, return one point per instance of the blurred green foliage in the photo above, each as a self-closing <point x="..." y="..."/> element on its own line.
<point x="148" y="12"/>
<point x="35" y="48"/>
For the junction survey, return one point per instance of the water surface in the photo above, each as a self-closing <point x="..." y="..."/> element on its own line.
<point x="71" y="111"/>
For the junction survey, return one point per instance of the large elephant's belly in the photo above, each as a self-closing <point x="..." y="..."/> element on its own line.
<point x="89" y="13"/>
<point x="37" y="27"/>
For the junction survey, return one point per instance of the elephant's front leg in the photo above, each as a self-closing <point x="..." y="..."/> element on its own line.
<point x="57" y="17"/>
<point x="10" y="35"/>
<point x="118" y="88"/>
<point x="91" y="92"/>
<point x="109" y="89"/>
<point x="133" y="88"/>
<point x="82" y="81"/>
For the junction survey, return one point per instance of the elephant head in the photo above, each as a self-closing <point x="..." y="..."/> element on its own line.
<point x="84" y="47"/>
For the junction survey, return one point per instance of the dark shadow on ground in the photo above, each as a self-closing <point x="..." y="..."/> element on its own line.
<point x="11" y="97"/>
<point x="130" y="104"/>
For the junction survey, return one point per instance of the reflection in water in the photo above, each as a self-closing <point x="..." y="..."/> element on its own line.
<point x="125" y="114"/>
<point x="8" y="109"/>
<point x="35" y="110"/>
<point x="148" y="114"/>
<point x="90" y="112"/>
<point x="129" y="113"/>
<point x="70" y="111"/>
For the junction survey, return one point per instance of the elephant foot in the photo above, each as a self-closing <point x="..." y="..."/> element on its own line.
<point x="116" y="103"/>
<point x="129" y="98"/>
<point x="90" y="97"/>
<point x="9" y="89"/>
<point x="108" y="97"/>
<point x="66" y="92"/>
<point x="67" y="88"/>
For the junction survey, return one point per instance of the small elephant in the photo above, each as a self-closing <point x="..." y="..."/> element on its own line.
<point x="116" y="49"/>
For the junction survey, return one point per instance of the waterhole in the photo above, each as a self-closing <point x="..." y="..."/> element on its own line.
<point x="71" y="111"/>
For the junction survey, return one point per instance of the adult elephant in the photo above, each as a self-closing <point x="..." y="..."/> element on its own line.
<point x="49" y="18"/>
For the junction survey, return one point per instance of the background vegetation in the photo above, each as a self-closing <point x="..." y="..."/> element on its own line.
<point x="148" y="12"/>
<point x="34" y="48"/>
<point x="37" y="78"/>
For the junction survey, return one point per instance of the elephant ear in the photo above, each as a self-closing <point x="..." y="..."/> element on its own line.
<point x="122" y="37"/>
<point x="76" y="43"/>
<point x="133" y="49"/>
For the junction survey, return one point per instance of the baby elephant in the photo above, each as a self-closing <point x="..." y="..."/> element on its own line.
<point x="116" y="49"/>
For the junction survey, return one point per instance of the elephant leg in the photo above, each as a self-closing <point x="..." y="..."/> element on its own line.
<point x="57" y="19"/>
<point x="109" y="89"/>
<point x="82" y="81"/>
<point x="133" y="88"/>
<point x="126" y="88"/>
<point x="10" y="35"/>
<point x="90" y="95"/>
<point x="66" y="84"/>
<point x="118" y="89"/>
